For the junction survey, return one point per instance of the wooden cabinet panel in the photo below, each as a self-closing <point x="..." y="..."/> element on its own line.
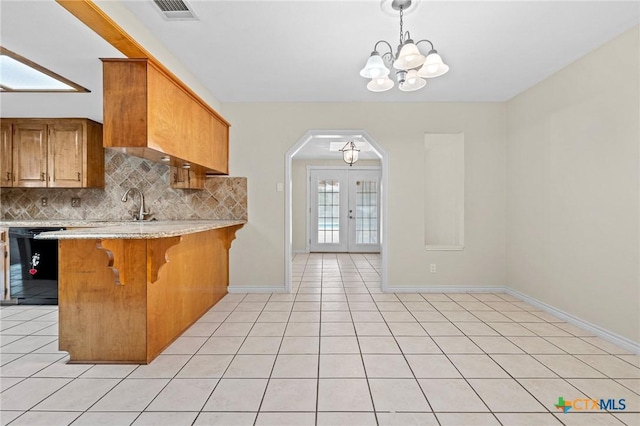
<point x="148" y="114"/>
<point x="6" y="159"/>
<point x="181" y="127"/>
<point x="55" y="153"/>
<point x="125" y="104"/>
<point x="96" y="311"/>
<point x="4" y="264"/>
<point x="93" y="156"/>
<point x="30" y="154"/>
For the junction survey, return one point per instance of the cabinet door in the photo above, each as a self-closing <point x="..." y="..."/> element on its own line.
<point x="5" y="155"/>
<point x="186" y="179"/>
<point x="29" y="155"/>
<point x="66" y="140"/>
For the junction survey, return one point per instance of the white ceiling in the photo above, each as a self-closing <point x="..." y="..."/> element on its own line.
<point x="312" y="51"/>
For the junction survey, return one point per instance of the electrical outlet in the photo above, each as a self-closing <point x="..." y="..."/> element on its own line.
<point x="433" y="267"/>
<point x="44" y="201"/>
<point x="75" y="202"/>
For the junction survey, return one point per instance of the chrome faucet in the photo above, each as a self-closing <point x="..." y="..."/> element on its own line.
<point x="142" y="212"/>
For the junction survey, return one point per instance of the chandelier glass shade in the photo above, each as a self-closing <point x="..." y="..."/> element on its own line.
<point x="380" y="84"/>
<point x="409" y="57"/>
<point x="412" y="67"/>
<point x="433" y="66"/>
<point x="412" y="82"/>
<point x="375" y="67"/>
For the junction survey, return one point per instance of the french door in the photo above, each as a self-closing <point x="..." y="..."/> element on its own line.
<point x="344" y="212"/>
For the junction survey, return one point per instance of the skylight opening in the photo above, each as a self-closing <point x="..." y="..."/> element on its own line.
<point x="18" y="74"/>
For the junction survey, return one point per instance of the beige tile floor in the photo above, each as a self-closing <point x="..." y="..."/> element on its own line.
<point x="337" y="351"/>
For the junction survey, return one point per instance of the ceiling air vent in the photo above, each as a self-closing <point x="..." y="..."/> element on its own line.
<point x="175" y="10"/>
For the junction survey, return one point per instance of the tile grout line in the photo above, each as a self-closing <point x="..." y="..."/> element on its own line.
<point x="364" y="368"/>
<point x="393" y="335"/>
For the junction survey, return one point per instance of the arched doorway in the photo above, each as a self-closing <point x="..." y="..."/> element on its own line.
<point x="317" y="139"/>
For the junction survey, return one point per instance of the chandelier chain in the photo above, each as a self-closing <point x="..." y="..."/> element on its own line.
<point x="401" y="15"/>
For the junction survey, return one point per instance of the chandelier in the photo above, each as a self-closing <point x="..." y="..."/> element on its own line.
<point x="412" y="66"/>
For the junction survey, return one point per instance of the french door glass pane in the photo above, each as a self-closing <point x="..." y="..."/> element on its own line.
<point x="328" y="212"/>
<point x="366" y="212"/>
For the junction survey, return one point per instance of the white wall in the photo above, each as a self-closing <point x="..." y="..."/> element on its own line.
<point x="261" y="134"/>
<point x="299" y="196"/>
<point x="573" y="191"/>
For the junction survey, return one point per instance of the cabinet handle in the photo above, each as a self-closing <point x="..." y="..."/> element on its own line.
<point x="9" y="176"/>
<point x="175" y="177"/>
<point x="42" y="177"/>
<point x="78" y="176"/>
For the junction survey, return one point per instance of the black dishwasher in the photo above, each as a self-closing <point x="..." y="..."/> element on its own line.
<point x="33" y="270"/>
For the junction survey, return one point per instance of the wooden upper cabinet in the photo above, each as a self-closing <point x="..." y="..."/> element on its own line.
<point x="149" y="114"/>
<point x="30" y="154"/>
<point x="54" y="153"/>
<point x="6" y="171"/>
<point x="65" y="155"/>
<point x="186" y="179"/>
<point x="76" y="156"/>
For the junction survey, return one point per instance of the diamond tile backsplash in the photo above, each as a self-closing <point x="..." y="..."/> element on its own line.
<point x="222" y="197"/>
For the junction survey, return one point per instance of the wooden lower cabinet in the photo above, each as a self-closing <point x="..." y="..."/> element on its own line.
<point x="124" y="301"/>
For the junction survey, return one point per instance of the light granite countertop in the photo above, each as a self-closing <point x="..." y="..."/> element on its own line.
<point x="87" y="230"/>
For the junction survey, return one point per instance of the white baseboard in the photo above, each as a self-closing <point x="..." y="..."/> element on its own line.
<point x="254" y="289"/>
<point x="300" y="252"/>
<point x="607" y="335"/>
<point x="610" y="336"/>
<point x="444" y="290"/>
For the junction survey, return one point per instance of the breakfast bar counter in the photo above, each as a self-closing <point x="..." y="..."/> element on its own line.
<point x="127" y="290"/>
<point x="135" y="229"/>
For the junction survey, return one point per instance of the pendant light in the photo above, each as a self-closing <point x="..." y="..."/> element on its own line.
<point x="350" y="153"/>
